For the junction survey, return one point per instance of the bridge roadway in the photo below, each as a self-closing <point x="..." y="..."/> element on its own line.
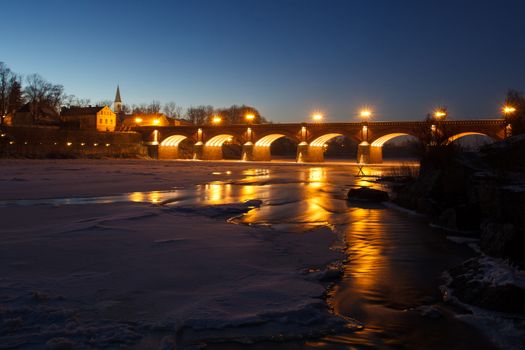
<point x="256" y="139"/>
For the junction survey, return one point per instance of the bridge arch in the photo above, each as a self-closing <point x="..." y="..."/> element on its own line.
<point x="173" y="140"/>
<point x="376" y="147"/>
<point x="261" y="150"/>
<point x="380" y="141"/>
<point x="219" y="140"/>
<point x="170" y="147"/>
<point x="468" y="133"/>
<point x="213" y="147"/>
<point x="267" y="140"/>
<point x="321" y="140"/>
<point x="316" y="147"/>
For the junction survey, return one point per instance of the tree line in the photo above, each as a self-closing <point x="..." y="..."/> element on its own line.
<point x="42" y="95"/>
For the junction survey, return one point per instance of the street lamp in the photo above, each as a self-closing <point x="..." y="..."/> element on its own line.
<point x="317" y="117"/>
<point x="440" y="114"/>
<point x="216" y="120"/>
<point x="365" y="113"/>
<point x="507" y="110"/>
<point x="250" y="117"/>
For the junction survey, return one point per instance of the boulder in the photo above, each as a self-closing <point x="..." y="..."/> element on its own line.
<point x="367" y="194"/>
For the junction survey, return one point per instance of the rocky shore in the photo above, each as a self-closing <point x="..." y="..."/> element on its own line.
<point x="479" y="195"/>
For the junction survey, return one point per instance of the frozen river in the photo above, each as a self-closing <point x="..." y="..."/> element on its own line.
<point x="267" y="232"/>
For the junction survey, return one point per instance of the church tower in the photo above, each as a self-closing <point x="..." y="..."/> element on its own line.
<point x="117" y="105"/>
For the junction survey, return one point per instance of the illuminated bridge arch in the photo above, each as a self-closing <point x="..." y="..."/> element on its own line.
<point x="219" y="140"/>
<point x="376" y="147"/>
<point x="266" y="141"/>
<point x="321" y="140"/>
<point x="463" y="134"/>
<point x="173" y="141"/>
<point x="169" y="147"/>
<point x="380" y="141"/>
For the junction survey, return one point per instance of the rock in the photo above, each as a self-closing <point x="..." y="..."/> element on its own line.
<point x="168" y="343"/>
<point x="60" y="343"/>
<point x="468" y="284"/>
<point x="367" y="194"/>
<point x="429" y="311"/>
<point x="497" y="239"/>
<point x="459" y="218"/>
<point x="460" y="190"/>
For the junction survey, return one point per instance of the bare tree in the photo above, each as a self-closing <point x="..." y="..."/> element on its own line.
<point x="104" y="103"/>
<point x="153" y="107"/>
<point x="126" y="109"/>
<point x="7" y="79"/>
<point x="82" y="102"/>
<point x="199" y="115"/>
<point x="40" y="94"/>
<point x="172" y="110"/>
<point x="15" y="100"/>
<point x="237" y="115"/>
<point x="139" y="109"/>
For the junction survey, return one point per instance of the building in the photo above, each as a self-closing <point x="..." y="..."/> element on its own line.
<point x="146" y="119"/>
<point x="94" y="118"/>
<point x="128" y="121"/>
<point x="34" y="114"/>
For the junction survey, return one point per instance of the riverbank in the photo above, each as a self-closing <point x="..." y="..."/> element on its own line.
<point x="479" y="200"/>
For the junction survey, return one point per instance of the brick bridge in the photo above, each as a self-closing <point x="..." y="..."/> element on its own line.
<point x="256" y="139"/>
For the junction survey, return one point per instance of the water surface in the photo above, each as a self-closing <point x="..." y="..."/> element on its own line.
<point x="394" y="259"/>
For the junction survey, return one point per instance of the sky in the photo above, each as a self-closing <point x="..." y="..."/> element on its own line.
<point x="287" y="58"/>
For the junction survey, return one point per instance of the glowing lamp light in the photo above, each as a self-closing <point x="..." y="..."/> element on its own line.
<point x="317" y="117"/>
<point x="508" y="109"/>
<point x="365" y="113"/>
<point x="69" y="144"/>
<point x="138" y="120"/>
<point x="216" y="120"/>
<point x="250" y="117"/>
<point x="439" y="114"/>
<point x="156" y="121"/>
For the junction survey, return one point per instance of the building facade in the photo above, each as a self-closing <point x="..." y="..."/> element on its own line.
<point x="93" y="118"/>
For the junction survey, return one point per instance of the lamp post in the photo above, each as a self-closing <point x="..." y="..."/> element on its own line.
<point x="508" y="111"/>
<point x="365" y="114"/>
<point x="363" y="149"/>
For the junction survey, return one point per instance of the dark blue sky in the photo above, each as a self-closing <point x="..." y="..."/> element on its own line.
<point x="285" y="57"/>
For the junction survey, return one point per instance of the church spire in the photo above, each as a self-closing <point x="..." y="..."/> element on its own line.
<point x="117" y="96"/>
<point x="117" y="105"/>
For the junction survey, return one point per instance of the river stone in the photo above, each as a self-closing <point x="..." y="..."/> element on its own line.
<point x="367" y="194"/>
